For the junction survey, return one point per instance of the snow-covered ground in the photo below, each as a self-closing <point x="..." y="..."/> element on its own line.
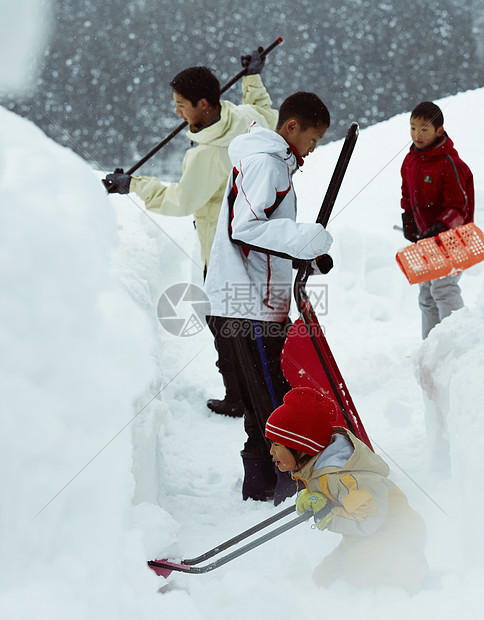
<point x="108" y="455"/>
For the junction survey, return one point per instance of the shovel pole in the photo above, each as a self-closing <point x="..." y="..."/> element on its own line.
<point x="302" y="299"/>
<point x="177" y="130"/>
<point x="328" y="204"/>
<point x="338" y="174"/>
<point x="164" y="568"/>
<point x="241" y="536"/>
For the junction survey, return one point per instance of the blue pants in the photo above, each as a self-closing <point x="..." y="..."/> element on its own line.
<point x="253" y="349"/>
<point x="438" y="299"/>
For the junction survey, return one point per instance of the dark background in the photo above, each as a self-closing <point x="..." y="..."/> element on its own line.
<point x="104" y="88"/>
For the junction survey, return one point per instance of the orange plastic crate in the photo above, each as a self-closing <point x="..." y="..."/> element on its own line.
<point x="450" y="252"/>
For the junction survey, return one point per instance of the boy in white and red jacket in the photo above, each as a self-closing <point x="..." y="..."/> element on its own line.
<point x="437" y="194"/>
<point x="347" y="487"/>
<point x="249" y="279"/>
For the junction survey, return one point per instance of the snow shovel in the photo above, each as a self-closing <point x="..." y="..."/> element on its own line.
<point x="306" y="359"/>
<point x="447" y="254"/>
<point x="177" y="130"/>
<point x="164" y="568"/>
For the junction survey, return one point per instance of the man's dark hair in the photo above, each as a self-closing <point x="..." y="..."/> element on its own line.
<point x="429" y="112"/>
<point x="197" y="83"/>
<point x="306" y="108"/>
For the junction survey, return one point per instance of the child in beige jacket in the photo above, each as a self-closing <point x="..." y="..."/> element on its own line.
<point x="347" y="487"/>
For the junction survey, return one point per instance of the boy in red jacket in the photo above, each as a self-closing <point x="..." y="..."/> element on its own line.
<point x="437" y="194"/>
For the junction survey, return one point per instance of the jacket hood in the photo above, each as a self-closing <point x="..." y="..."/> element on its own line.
<point x="444" y="146"/>
<point x="259" y="140"/>
<point x="220" y="133"/>
<point x="234" y="121"/>
<point x="343" y="454"/>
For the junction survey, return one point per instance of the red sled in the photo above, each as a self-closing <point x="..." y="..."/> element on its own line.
<point x="306" y="359"/>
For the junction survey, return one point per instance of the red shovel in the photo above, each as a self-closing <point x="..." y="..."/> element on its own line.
<point x="306" y="358"/>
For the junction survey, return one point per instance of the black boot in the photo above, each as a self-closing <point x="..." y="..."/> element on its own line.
<point x="232" y="404"/>
<point x="231" y="408"/>
<point x="259" y="478"/>
<point x="285" y="486"/>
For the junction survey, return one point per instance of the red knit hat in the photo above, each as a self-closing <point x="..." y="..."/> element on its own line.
<point x="303" y="422"/>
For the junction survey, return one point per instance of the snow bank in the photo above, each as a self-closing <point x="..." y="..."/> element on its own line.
<point x="76" y="356"/>
<point x="449" y="369"/>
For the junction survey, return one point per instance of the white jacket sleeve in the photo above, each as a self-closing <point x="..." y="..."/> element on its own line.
<point x="259" y="188"/>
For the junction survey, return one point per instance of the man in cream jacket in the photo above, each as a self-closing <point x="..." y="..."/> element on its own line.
<point x="213" y="124"/>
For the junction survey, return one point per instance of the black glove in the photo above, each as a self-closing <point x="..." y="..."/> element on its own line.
<point x="254" y="62"/>
<point x="297" y="263"/>
<point x="434" y="230"/>
<point x="117" y="182"/>
<point x="324" y="263"/>
<point x="410" y="230"/>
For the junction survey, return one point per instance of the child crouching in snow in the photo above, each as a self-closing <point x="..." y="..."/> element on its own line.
<point x="337" y="474"/>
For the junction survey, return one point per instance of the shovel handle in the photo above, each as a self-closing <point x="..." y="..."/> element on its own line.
<point x="241" y="73"/>
<point x="327" y="205"/>
<point x="242" y="536"/>
<point x="338" y="174"/>
<point x="164" y="568"/>
<point x="177" y="130"/>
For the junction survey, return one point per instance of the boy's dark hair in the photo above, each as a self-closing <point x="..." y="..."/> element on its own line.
<point x="197" y="83"/>
<point x="307" y="108"/>
<point x="429" y="112"/>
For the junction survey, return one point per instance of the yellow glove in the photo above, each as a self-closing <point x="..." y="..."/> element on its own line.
<point x="310" y="501"/>
<point x="317" y="503"/>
